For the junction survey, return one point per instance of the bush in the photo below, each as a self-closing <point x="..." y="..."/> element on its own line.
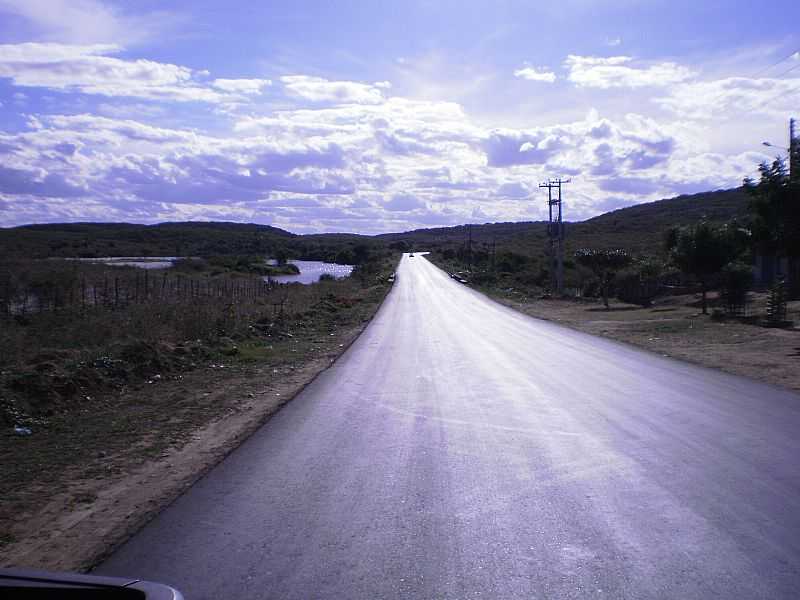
<point x="737" y="279"/>
<point x="776" y="304"/>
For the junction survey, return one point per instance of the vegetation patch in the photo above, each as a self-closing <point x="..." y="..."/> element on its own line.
<point x="91" y="393"/>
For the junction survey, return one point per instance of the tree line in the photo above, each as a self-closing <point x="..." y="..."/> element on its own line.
<point x="722" y="254"/>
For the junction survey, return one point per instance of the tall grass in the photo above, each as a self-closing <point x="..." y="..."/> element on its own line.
<point x="90" y="308"/>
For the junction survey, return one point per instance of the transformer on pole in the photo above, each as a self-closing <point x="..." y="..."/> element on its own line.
<point x="555" y="233"/>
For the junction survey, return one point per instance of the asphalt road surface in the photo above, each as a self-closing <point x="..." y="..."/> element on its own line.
<point x="462" y="450"/>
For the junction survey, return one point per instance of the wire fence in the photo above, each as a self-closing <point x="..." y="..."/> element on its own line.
<point x="116" y="292"/>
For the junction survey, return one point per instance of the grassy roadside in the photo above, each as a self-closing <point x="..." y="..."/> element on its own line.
<point x="118" y="435"/>
<point x="674" y="326"/>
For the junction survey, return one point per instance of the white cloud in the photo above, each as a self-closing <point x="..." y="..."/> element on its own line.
<point x="403" y="203"/>
<point x="732" y="96"/>
<point x="124" y="131"/>
<point x="345" y="156"/>
<point x="318" y="89"/>
<point x="60" y="67"/>
<point x="89" y="70"/>
<point x="32" y="53"/>
<point x="615" y="71"/>
<point x="241" y="86"/>
<point x="88" y="21"/>
<point x="533" y="74"/>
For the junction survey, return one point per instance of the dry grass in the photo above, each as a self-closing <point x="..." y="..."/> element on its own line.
<point x="675" y="327"/>
<point x="110" y="392"/>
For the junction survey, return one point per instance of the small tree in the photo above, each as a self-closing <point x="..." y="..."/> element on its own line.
<point x="703" y="250"/>
<point x="361" y="254"/>
<point x="640" y="283"/>
<point x="604" y="264"/>
<point x="281" y="256"/>
<point x="776" y="303"/>
<point x="737" y="281"/>
<point x="775" y="207"/>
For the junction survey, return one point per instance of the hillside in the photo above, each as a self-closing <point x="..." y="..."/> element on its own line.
<point x="639" y="229"/>
<point x="125" y="239"/>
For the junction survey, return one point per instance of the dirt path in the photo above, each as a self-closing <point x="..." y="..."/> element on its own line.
<point x="675" y="327"/>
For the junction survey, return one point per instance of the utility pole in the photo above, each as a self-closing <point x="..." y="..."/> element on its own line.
<point x="794" y="153"/>
<point x="555" y="232"/>
<point x="469" y="248"/>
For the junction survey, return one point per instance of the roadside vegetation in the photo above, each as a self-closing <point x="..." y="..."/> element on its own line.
<point x="689" y="245"/>
<point x="682" y="284"/>
<point x="104" y="369"/>
<point x="73" y="329"/>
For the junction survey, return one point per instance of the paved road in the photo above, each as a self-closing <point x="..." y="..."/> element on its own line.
<point x="461" y="450"/>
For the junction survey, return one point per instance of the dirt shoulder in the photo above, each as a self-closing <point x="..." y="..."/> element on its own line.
<point x="675" y="327"/>
<point x="79" y="486"/>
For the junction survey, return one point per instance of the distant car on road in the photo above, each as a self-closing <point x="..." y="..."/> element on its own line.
<point x="24" y="584"/>
<point x="411" y="255"/>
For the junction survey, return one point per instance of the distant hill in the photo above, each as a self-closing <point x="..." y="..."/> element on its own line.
<point x="126" y="239"/>
<point x="639" y="229"/>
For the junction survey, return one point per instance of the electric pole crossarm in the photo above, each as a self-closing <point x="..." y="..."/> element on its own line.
<point x="555" y="231"/>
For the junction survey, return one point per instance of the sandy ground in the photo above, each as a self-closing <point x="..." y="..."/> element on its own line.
<point x="675" y="327"/>
<point x="73" y="520"/>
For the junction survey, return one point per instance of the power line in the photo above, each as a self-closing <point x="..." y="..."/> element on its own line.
<point x="781" y="95"/>
<point x="764" y="70"/>
<point x="794" y="68"/>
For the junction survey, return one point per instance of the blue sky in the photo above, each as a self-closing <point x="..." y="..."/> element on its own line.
<point x="382" y="116"/>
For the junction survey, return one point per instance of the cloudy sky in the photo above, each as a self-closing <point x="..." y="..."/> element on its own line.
<point x="371" y="116"/>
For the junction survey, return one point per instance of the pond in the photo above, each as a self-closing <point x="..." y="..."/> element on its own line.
<point x="142" y="262"/>
<point x="312" y="270"/>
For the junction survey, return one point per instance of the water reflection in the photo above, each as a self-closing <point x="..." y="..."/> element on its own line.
<point x="312" y="270"/>
<point x="142" y="262"/>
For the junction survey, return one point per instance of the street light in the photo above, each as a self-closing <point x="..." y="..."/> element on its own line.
<point x="774" y="146"/>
